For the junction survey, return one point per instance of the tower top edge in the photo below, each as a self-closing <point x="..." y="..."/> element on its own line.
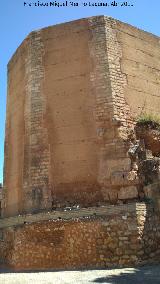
<point x="78" y="22"/>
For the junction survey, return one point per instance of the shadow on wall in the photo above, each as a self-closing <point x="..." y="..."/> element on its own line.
<point x="141" y="275"/>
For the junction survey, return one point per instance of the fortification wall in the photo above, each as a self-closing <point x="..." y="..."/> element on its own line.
<point x="140" y="63"/>
<point x="74" y="92"/>
<point x="14" y="134"/>
<point x="121" y="236"/>
<point x="51" y="150"/>
<point x="70" y="112"/>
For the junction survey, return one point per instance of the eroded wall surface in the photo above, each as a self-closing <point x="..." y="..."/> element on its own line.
<point x="140" y="62"/>
<point x="51" y="146"/>
<point x="70" y="113"/>
<point x="128" y="235"/>
<point x="73" y="96"/>
<point x="14" y="135"/>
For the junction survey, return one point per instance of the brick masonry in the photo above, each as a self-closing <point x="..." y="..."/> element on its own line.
<point x="113" y="117"/>
<point x="36" y="187"/>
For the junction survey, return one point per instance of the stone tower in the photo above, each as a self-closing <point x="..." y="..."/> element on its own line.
<point x="74" y="92"/>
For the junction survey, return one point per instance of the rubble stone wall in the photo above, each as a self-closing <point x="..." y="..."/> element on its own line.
<point x="128" y="235"/>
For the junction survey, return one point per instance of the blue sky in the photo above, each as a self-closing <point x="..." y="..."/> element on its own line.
<point x="16" y="21"/>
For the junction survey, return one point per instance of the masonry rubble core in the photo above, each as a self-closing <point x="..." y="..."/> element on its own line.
<point x="81" y="184"/>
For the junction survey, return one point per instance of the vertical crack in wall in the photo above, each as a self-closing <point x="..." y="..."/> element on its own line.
<point x="36" y="152"/>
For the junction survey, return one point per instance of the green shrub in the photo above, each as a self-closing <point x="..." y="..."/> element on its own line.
<point x="149" y="119"/>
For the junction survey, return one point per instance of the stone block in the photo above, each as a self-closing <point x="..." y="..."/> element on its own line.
<point x="152" y="191"/>
<point x="148" y="191"/>
<point x="129" y="192"/>
<point x="119" y="178"/>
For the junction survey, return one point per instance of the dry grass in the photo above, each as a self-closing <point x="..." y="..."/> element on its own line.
<point x="149" y="119"/>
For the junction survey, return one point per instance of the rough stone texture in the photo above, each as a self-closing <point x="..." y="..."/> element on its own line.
<point x="72" y="101"/>
<point x="126" y="237"/>
<point x="36" y="187"/>
<point x="1" y="199"/>
<point x="70" y="213"/>
<point x="74" y="93"/>
<point x="140" y="63"/>
<point x="150" y="134"/>
<point x="128" y="193"/>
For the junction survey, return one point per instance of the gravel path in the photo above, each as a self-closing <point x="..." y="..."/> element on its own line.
<point x="142" y="275"/>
